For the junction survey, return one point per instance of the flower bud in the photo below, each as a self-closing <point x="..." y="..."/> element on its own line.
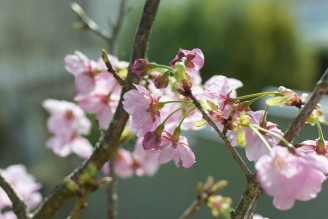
<point x="141" y="67"/>
<point x="321" y="148"/>
<point x="153" y="139"/>
<point x="176" y="134"/>
<point x="162" y="81"/>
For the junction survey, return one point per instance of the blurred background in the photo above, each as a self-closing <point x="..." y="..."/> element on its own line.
<point x="260" y="42"/>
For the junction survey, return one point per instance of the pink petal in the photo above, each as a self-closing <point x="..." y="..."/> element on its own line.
<point x="167" y="154"/>
<point x="81" y="147"/>
<point x="186" y="155"/>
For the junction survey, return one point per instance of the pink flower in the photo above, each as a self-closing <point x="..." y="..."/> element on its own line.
<point x="8" y="215"/>
<point x="67" y="122"/>
<point x="316" y="146"/>
<point x="177" y="151"/>
<point x="89" y="73"/>
<point x="142" y="162"/>
<point x="84" y="70"/>
<point x="289" y="177"/>
<point x="24" y="184"/>
<point x="144" y="110"/>
<point x="63" y="146"/>
<point x="194" y="59"/>
<point x="104" y="105"/>
<point x="66" y="118"/>
<point x="116" y="63"/>
<point x="78" y="63"/>
<point x="146" y="162"/>
<point x="124" y="164"/>
<point x="220" y="89"/>
<point x="255" y="147"/>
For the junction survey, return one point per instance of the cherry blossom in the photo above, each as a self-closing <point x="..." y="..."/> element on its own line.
<point x="67" y="122"/>
<point x="24" y="184"/>
<point x="288" y="177"/>
<point x="145" y="161"/>
<point x="103" y="105"/>
<point x="141" y="162"/>
<point x="176" y="150"/>
<point x="194" y="59"/>
<point x="84" y="70"/>
<point x="8" y="215"/>
<point x="124" y="164"/>
<point x="144" y="110"/>
<point x="220" y="89"/>
<point x="63" y="146"/>
<point x="66" y="118"/>
<point x="317" y="146"/>
<point x="88" y="73"/>
<point x="255" y="147"/>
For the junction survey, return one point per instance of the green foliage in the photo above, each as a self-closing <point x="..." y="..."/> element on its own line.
<point x="253" y="41"/>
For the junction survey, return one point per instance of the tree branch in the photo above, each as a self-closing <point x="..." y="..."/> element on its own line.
<point x="248" y="200"/>
<point x="111" y="70"/>
<point x="297" y="124"/>
<point x="234" y="153"/>
<point x="88" y="23"/>
<point x="80" y="204"/>
<point x="18" y="204"/>
<point x="117" y="26"/>
<point x="110" y="142"/>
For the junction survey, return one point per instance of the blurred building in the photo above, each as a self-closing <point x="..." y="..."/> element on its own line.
<point x="313" y="20"/>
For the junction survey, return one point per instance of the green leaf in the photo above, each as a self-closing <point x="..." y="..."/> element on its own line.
<point x="211" y="105"/>
<point x="274" y="101"/>
<point x="180" y="73"/>
<point x="200" y="123"/>
<point x="311" y="120"/>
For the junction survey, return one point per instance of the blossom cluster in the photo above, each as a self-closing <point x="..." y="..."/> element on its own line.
<point x="157" y="116"/>
<point x="68" y="123"/>
<point x="140" y="162"/>
<point x="164" y="105"/>
<point x="25" y="186"/>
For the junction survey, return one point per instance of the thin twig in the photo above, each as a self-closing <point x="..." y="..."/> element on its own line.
<point x="116" y="27"/>
<point x="234" y="153"/>
<point x="195" y="206"/>
<point x="80" y="204"/>
<point x="297" y="124"/>
<point x="19" y="206"/>
<point x="112" y="70"/>
<point x="107" y="145"/>
<point x="88" y="23"/>
<point x="111" y="191"/>
<point x="204" y="193"/>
